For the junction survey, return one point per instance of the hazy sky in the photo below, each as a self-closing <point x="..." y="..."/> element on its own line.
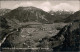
<point x="45" y="5"/>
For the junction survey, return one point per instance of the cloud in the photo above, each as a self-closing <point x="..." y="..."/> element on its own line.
<point x="24" y="4"/>
<point x="47" y="6"/>
<point x="64" y="6"/>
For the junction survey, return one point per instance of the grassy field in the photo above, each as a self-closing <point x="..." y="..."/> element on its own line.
<point x="30" y="36"/>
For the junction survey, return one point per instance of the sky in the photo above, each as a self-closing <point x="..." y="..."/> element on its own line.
<point x="45" y="5"/>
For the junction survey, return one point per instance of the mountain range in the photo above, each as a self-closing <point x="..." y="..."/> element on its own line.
<point x="29" y="14"/>
<point x="33" y="14"/>
<point x="75" y="16"/>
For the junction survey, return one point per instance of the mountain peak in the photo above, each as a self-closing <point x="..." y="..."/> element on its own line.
<point x="29" y="14"/>
<point x="27" y="8"/>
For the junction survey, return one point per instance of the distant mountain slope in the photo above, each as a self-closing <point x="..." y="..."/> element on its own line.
<point x="29" y="14"/>
<point x="60" y="15"/>
<point x="4" y="11"/>
<point x="3" y="22"/>
<point x="75" y="16"/>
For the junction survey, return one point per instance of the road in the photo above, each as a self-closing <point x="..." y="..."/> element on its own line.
<point x="3" y="40"/>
